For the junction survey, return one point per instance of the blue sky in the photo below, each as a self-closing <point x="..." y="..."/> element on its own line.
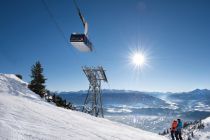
<point x="174" y="33"/>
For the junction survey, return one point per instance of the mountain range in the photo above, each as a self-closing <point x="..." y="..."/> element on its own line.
<point x="136" y="108"/>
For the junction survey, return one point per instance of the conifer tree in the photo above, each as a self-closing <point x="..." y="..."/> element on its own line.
<point x="38" y="79"/>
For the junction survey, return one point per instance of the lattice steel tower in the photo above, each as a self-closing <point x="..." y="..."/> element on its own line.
<point x="93" y="100"/>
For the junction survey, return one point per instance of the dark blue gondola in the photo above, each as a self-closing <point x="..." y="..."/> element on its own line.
<point x="81" y="42"/>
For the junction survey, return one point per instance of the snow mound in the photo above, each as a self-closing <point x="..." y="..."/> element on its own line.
<point x="203" y="134"/>
<point x="10" y="84"/>
<point x="23" y="115"/>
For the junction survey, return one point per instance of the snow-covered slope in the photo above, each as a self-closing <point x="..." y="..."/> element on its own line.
<point x="23" y="115"/>
<point x="203" y="134"/>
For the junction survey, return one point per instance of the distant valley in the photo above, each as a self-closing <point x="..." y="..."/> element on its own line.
<point x="151" y="111"/>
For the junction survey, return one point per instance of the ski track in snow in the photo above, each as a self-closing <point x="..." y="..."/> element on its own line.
<point x="23" y="115"/>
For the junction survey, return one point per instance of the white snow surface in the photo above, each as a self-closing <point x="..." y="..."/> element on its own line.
<point x="203" y="134"/>
<point x="25" y="116"/>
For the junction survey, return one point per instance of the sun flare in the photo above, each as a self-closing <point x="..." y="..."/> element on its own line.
<point x="138" y="59"/>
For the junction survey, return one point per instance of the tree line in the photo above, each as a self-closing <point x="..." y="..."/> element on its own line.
<point x="37" y="85"/>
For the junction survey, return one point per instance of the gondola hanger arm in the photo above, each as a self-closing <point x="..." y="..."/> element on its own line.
<point x="85" y="24"/>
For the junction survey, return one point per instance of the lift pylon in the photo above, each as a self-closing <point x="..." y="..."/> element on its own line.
<point x="93" y="100"/>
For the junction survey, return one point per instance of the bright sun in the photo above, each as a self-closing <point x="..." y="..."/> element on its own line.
<point x="138" y="59"/>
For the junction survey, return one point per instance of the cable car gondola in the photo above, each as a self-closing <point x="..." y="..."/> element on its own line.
<point x="81" y="42"/>
<point x="78" y="40"/>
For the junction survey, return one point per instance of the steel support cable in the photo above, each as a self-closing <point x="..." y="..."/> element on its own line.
<point x="54" y="20"/>
<point x="80" y="15"/>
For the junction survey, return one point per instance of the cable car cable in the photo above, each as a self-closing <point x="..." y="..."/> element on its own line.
<point x="54" y="20"/>
<point x="80" y="15"/>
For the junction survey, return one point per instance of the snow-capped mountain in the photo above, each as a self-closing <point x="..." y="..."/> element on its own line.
<point x="24" y="115"/>
<point x="152" y="111"/>
<point x="195" y="103"/>
<point x="118" y="97"/>
<point x="134" y="108"/>
<point x="194" y="97"/>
